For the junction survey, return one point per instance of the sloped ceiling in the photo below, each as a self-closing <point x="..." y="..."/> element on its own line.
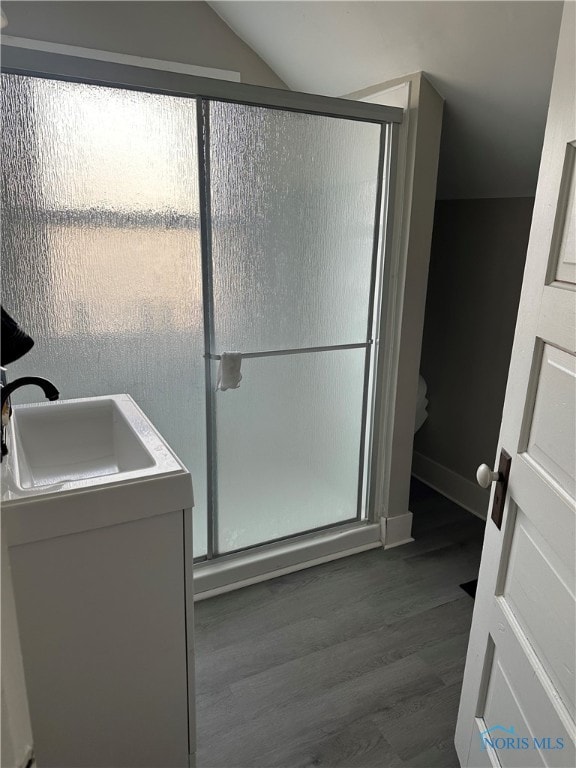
<point x="491" y="61"/>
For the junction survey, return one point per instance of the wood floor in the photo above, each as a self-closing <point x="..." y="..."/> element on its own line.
<point x="355" y="663"/>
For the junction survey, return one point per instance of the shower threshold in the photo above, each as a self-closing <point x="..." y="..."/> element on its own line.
<point x="240" y="569"/>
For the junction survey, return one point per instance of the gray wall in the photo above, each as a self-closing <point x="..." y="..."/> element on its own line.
<point x="476" y="269"/>
<point x="187" y="32"/>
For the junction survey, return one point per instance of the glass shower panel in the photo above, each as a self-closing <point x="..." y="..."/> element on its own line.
<point x="289" y="446"/>
<point x="101" y="251"/>
<point x="293" y="199"/>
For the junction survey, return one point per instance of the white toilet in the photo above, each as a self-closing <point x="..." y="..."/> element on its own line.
<point x="421" y="404"/>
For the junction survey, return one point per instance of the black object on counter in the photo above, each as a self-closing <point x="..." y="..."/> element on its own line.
<point x="15" y="342"/>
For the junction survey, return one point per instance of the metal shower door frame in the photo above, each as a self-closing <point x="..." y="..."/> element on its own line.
<point x="383" y="215"/>
<point x="58" y="66"/>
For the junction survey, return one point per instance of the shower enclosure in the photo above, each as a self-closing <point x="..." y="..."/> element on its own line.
<point x="151" y="222"/>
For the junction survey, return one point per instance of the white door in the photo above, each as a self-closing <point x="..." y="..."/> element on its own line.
<point x="518" y="696"/>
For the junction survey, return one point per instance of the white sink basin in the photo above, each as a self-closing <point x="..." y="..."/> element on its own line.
<point x="75" y="441"/>
<point x="77" y="444"/>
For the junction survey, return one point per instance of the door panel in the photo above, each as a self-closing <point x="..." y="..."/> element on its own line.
<point x="289" y="444"/>
<point x="534" y="573"/>
<point x="502" y="705"/>
<point x="292" y="200"/>
<point x="545" y="502"/>
<point x="564" y="249"/>
<point x="520" y="666"/>
<point x="517" y="694"/>
<point x="551" y="433"/>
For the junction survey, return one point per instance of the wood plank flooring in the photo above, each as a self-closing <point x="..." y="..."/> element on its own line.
<point x="352" y="664"/>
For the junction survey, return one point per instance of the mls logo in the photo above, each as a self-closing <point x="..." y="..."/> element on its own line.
<point x="492" y="735"/>
<point x="499" y="737"/>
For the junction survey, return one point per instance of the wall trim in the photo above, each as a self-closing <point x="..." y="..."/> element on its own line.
<point x="397" y="530"/>
<point x="119" y="58"/>
<point x="458" y="489"/>
<point x="404" y="295"/>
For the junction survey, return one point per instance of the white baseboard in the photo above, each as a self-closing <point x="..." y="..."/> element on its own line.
<point x="464" y="492"/>
<point x="395" y="531"/>
<point x="27" y="759"/>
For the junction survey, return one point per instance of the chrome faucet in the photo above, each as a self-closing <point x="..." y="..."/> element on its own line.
<point x="7" y="389"/>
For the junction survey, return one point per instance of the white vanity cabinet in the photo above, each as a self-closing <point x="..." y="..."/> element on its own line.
<point x="102" y="576"/>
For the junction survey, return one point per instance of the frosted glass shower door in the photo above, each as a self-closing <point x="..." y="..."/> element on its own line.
<point x="293" y="202"/>
<point x="101" y="258"/>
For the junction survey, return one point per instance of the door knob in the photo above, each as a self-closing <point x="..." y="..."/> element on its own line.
<point x="485" y="476"/>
